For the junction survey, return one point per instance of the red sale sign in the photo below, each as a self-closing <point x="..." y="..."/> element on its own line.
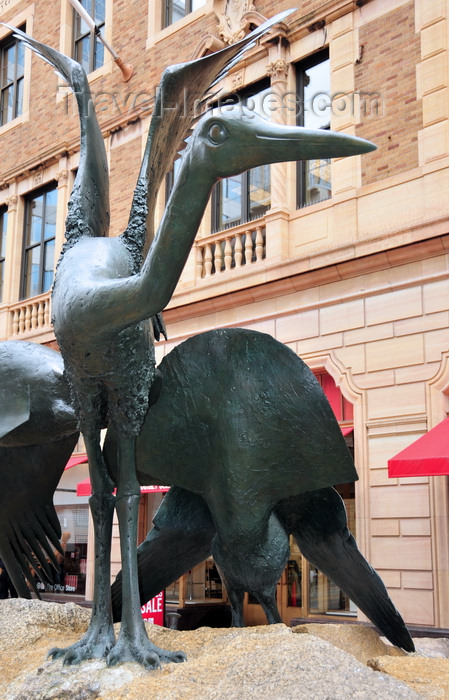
<point x="154" y="610"/>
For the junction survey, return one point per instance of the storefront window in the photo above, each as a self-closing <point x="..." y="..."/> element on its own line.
<point x="202" y="584"/>
<point x="325" y="598"/>
<point x="294" y="576"/>
<point x="305" y="589"/>
<point x="72" y="578"/>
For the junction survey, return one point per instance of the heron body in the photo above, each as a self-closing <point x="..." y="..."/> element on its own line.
<point x="243" y="429"/>
<point x="257" y="466"/>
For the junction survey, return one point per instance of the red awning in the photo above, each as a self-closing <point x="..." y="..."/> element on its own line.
<point x="346" y="430"/>
<point x="83" y="488"/>
<point x="76" y="459"/>
<point x="427" y="456"/>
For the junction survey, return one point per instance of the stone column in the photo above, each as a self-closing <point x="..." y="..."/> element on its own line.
<point x="62" y="178"/>
<point x="13" y="251"/>
<point x="12" y="264"/>
<point x="278" y="72"/>
<point x="277" y="247"/>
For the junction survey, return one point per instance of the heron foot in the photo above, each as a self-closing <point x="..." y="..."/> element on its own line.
<point x="94" y="645"/>
<point x="143" y="652"/>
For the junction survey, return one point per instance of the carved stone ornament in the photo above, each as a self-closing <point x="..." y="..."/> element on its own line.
<point x="233" y="24"/>
<point x="11" y="202"/>
<point x="278" y="69"/>
<point x="62" y="177"/>
<point x="38" y="177"/>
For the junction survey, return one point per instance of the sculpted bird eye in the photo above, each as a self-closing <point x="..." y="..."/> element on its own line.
<point x="217" y="133"/>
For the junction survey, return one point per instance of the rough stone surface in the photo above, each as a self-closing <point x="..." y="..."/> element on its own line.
<point x="428" y="676"/>
<point x="267" y="662"/>
<point x="362" y="642"/>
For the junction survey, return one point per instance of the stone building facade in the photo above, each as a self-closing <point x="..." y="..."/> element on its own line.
<point x="344" y="261"/>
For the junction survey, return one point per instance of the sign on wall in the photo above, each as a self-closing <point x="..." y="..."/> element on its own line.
<point x="154" y="610"/>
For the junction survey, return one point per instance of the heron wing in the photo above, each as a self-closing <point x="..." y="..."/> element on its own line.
<point x="15" y="408"/>
<point x="29" y="526"/>
<point x="179" y="100"/>
<point x="88" y="208"/>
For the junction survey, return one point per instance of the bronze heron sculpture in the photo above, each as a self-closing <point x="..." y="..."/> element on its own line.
<point x="106" y="293"/>
<point x="271" y="442"/>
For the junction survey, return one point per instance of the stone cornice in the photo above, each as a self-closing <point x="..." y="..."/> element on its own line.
<point x="285" y="280"/>
<point x="302" y="24"/>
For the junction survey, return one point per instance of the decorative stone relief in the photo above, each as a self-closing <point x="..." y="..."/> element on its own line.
<point x="237" y="80"/>
<point x="11" y="202"/>
<point x="62" y="177"/>
<point x="38" y="177"/>
<point x="278" y="69"/>
<point x="234" y="17"/>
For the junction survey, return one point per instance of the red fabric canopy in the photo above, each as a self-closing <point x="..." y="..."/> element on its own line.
<point x="83" y="488"/>
<point x="76" y="459"/>
<point x="427" y="456"/>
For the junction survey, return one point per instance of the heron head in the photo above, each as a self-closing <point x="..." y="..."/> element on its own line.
<point x="234" y="139"/>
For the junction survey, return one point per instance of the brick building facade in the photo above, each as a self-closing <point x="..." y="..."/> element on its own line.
<point x="345" y="261"/>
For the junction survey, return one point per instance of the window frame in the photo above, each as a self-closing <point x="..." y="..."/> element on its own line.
<point x="43" y="191"/>
<point x="167" y="12"/>
<point x="245" y="182"/>
<point x="78" y="38"/>
<point x="18" y="80"/>
<point x="3" y="234"/>
<point x="301" y="165"/>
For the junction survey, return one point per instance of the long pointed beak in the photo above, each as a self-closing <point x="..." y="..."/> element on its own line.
<point x="278" y="143"/>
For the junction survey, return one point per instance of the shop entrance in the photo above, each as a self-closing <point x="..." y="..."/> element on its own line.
<point x="303" y="591"/>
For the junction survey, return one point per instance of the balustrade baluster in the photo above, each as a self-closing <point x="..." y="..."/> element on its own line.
<point x="21" y="321"/>
<point x="15" y="322"/>
<point x="33" y="315"/>
<point x="28" y="317"/>
<point x="41" y="314"/>
<point x="238" y="250"/>
<point x="48" y="312"/>
<point x="228" y="253"/>
<point x="248" y="248"/>
<point x="218" y="256"/>
<point x="208" y="260"/>
<point x="199" y="261"/>
<point x="259" y="244"/>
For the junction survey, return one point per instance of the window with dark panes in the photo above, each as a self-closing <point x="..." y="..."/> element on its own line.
<point x="177" y="9"/>
<point x="314" y="112"/>
<point x="12" y="58"/>
<point x="39" y="243"/>
<point x="88" y="49"/>
<point x="245" y="197"/>
<point x="3" y="229"/>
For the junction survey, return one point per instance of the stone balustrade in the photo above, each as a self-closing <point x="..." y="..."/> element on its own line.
<point x="216" y="254"/>
<point x="232" y="248"/>
<point x="30" y="316"/>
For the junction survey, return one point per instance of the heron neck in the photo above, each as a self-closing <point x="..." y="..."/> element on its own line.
<point x="177" y="230"/>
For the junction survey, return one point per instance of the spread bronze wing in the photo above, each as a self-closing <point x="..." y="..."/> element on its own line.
<point x="88" y="209"/>
<point x="38" y="434"/>
<point x="15" y="408"/>
<point x="29" y="526"/>
<point x="181" y="92"/>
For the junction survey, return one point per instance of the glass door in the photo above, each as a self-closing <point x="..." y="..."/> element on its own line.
<point x="292" y="602"/>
